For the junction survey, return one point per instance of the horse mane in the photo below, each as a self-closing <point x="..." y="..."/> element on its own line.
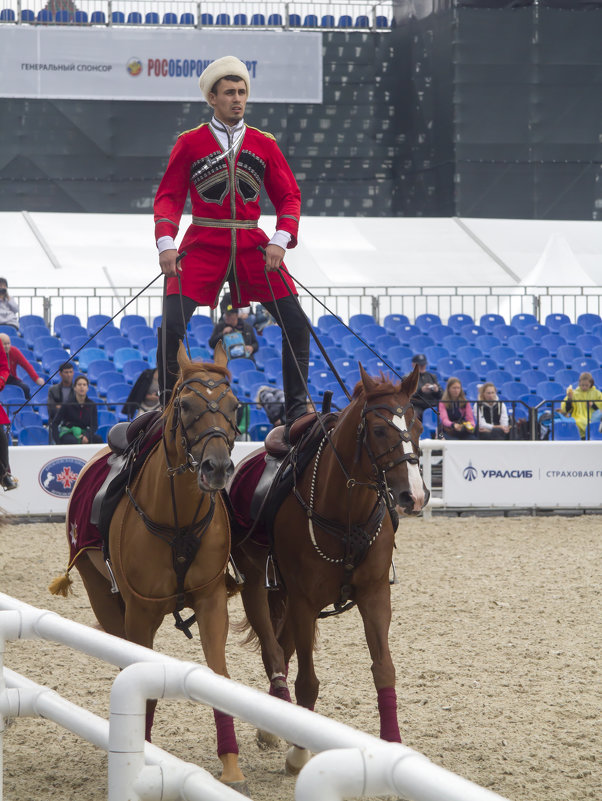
<point x="384" y="386"/>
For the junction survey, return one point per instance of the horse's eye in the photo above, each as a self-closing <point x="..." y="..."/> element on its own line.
<point x="184" y="406"/>
<point x="380" y="432"/>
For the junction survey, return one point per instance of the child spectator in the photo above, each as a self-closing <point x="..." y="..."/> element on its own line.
<point x="491" y="414"/>
<point x="455" y="413"/>
<point x="583" y="404"/>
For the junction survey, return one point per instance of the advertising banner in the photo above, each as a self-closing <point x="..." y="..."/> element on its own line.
<point x="523" y="474"/>
<point x="47" y="473"/>
<point x="154" y="64"/>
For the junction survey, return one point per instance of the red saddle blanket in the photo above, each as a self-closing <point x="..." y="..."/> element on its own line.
<point x="83" y="535"/>
<point x="241" y="493"/>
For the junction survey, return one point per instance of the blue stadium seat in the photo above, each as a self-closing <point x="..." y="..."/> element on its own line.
<point x="117" y="17"/>
<point x="593" y="431"/>
<point x="536" y="331"/>
<point x="123" y="355"/>
<point x="531" y="399"/>
<point x="391" y="321"/>
<point x="555" y="321"/>
<point x="106" y="418"/>
<point x="384" y="343"/>
<point x="566" y="377"/>
<point x="33" y="435"/>
<point x="439" y="331"/>
<point x="425" y="321"/>
<point x="467" y="353"/>
<point x="551" y="390"/>
<point x="459" y="321"/>
<point x="597" y="376"/>
<point x="512" y="390"/>
<point x="421" y="342"/>
<point x="104" y="334"/>
<point x="240" y="19"/>
<point x="169" y="18"/>
<point x="503" y="332"/>
<point x="587" y="343"/>
<point x="294" y="20"/>
<point x="569" y="354"/>
<point x="589" y="320"/>
<point x="97" y="368"/>
<point x="275" y="19"/>
<point x="359" y="321"/>
<point x="249" y="383"/>
<point x="27" y="15"/>
<point x="482" y="367"/>
<point x="259" y="431"/>
<point x="26" y="419"/>
<point x="52" y="359"/>
<point x="486" y="343"/>
<point x="597" y="353"/>
<point x="467" y="377"/>
<point x="222" y="19"/>
<point x="370" y="333"/>
<point x="96" y="321"/>
<point x="454" y="342"/>
<point x="264" y="353"/>
<point x="430" y="423"/>
<point x="585" y="364"/>
<point x="12" y="393"/>
<point x="448" y="366"/>
<point x="117" y="394"/>
<point x="552" y="342"/>
<point x="565" y="429"/>
<point x="137" y="333"/>
<point x="434" y="353"/>
<point x="129" y="321"/>
<point x="515" y="365"/>
<point x="34" y="332"/>
<point x="257" y="415"/>
<point x="345" y="21"/>
<point x="531" y="378"/>
<point x="400" y="356"/>
<point x="405" y="332"/>
<point x="521" y="321"/>
<point x="61" y="321"/>
<point x="519" y="343"/>
<point x="134" y="18"/>
<point x="501" y="353"/>
<point x="490" y="321"/>
<point x="362" y="21"/>
<point x="44" y="15"/>
<point x="318" y="363"/>
<point x="63" y="16"/>
<point x="238" y="366"/>
<point x="26" y="321"/>
<point x="500" y="377"/>
<point x="80" y="18"/>
<point x="273" y="336"/>
<point x="132" y="369"/>
<point x="257" y="19"/>
<point x="535" y="352"/>
<point x="107" y="379"/>
<point x="69" y="332"/>
<point x="327" y="21"/>
<point x="188" y="19"/>
<point x="472" y="332"/>
<point x="381" y="21"/>
<point x="7" y="15"/>
<point x="570" y="332"/>
<point x="43" y="343"/>
<point x="113" y="344"/>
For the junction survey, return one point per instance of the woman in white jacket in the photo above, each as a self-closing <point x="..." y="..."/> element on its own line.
<point x="490" y="414"/>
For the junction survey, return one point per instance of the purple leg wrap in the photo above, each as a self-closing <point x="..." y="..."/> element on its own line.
<point x="150" y="716"/>
<point x="279" y="689"/>
<point x="226" y="738"/>
<point x="387" y="710"/>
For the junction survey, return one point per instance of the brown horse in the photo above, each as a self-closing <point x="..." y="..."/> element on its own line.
<point x="333" y="541"/>
<point x="175" y="497"/>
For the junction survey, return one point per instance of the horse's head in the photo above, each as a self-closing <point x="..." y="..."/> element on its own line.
<point x="203" y="419"/>
<point x="390" y="432"/>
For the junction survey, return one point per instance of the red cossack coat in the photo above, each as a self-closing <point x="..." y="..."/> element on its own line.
<point x="4" y="420"/>
<point x="222" y="188"/>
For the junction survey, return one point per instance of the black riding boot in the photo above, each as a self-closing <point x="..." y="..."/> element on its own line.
<point x="168" y="378"/>
<point x="295" y="359"/>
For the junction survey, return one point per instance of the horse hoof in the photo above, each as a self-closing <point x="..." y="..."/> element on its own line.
<point x="267" y="740"/>
<point x="296" y="758"/>
<point x="240" y="787"/>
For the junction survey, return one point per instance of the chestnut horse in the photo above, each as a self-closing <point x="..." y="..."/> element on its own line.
<point x="174" y="496"/>
<point x="333" y="540"/>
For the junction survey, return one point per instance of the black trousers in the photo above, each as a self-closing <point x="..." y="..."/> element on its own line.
<point x="4" y="465"/>
<point x="16" y="382"/>
<point x="295" y="356"/>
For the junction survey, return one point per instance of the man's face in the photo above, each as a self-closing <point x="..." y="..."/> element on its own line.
<point x="231" y="318"/>
<point x="67" y="376"/>
<point x="6" y="345"/>
<point x="230" y="101"/>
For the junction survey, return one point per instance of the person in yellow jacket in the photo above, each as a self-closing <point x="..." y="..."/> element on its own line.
<point x="584" y="404"/>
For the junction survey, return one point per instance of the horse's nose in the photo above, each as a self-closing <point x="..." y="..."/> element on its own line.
<point x="409" y="504"/>
<point x="215" y="473"/>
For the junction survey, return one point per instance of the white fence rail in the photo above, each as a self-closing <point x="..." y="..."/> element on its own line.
<point x="350" y="762"/>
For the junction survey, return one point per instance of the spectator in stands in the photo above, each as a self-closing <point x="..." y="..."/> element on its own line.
<point x="455" y="413"/>
<point x="258" y="317"/>
<point x="16" y="359"/>
<point x="271" y="400"/>
<point x="144" y="395"/>
<point x="224" y="240"/>
<point x="429" y="391"/>
<point x="491" y="414"/>
<point x="7" y="480"/>
<point x="9" y="308"/>
<point x="584" y="404"/>
<point x="238" y="337"/>
<point x="62" y="392"/>
<point x="76" y="423"/>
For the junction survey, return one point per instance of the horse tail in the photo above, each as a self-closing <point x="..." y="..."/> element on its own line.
<point x="61" y="585"/>
<point x="278" y="603"/>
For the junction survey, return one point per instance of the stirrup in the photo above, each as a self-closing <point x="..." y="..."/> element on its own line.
<point x="114" y="587"/>
<point x="271" y="575"/>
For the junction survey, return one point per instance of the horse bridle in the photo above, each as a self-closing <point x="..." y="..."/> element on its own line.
<point x="404" y="437"/>
<point x="212" y="407"/>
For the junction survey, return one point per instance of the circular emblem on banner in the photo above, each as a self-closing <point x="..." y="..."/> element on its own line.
<point x="470" y="473"/>
<point x="58" y="476"/>
<point x="134" y="67"/>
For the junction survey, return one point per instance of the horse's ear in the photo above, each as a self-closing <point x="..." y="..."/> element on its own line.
<point x="368" y="382"/>
<point x="183" y="359"/>
<point x="220" y="357"/>
<point x="409" y="384"/>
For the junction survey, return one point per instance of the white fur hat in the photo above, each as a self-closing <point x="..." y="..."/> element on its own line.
<point x="228" y="65"/>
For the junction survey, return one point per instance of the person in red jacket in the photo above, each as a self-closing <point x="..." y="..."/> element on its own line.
<point x="16" y="359"/>
<point x="7" y="481"/>
<point x="224" y="164"/>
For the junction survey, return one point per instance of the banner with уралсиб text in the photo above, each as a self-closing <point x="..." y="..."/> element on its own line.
<point x="523" y="474"/>
<point x="154" y="64"/>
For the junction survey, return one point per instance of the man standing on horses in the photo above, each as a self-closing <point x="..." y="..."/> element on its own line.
<point x="224" y="164"/>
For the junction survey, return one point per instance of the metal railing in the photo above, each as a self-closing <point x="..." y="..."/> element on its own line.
<point x="363" y="15"/>
<point x="378" y="301"/>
